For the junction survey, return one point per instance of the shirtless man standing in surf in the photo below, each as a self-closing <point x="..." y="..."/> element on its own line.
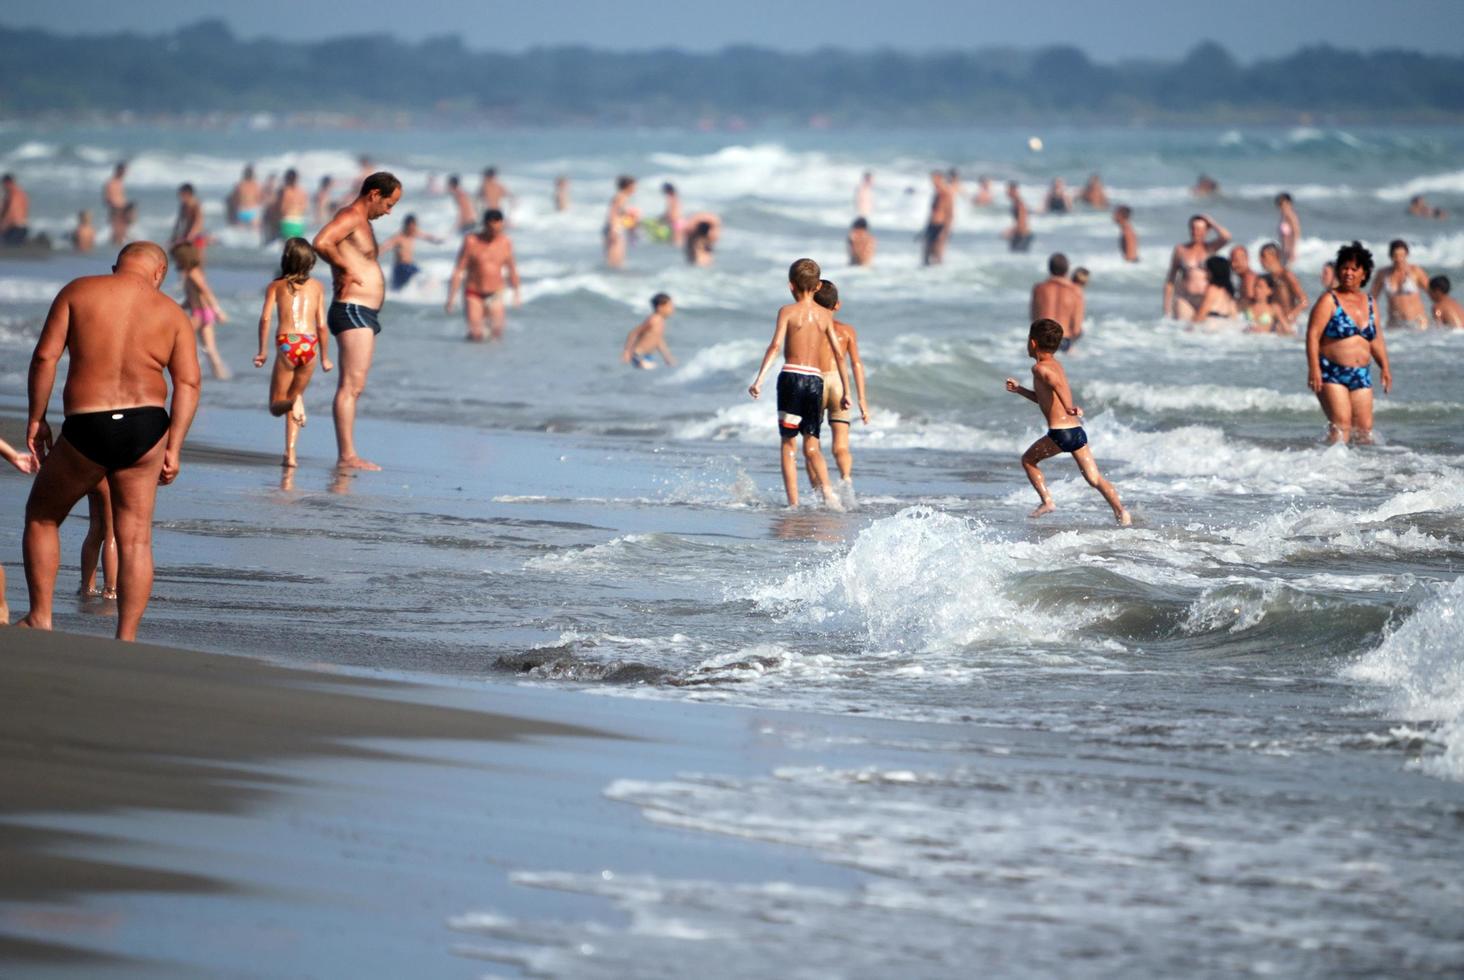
<point x="1058" y="298"/>
<point x="349" y="245"/>
<point x="484" y="257"/>
<point x="122" y="334"/>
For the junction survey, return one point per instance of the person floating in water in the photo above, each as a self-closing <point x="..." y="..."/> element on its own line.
<point x="1446" y="310"/>
<point x="648" y="340"/>
<point x="803" y="331"/>
<point x="835" y="404"/>
<point x="1128" y="239"/>
<point x="300" y="302"/>
<point x="403" y="248"/>
<point x="484" y="257"/>
<point x="1065" y="433"/>
<point x="703" y="231"/>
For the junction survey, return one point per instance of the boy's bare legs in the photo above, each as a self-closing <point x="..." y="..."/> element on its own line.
<point x="473" y="312"/>
<point x="64" y="479"/>
<point x="356" y="348"/>
<point x="1043" y="448"/>
<point x="1084" y="458"/>
<point x="818" y="472"/>
<point x="134" y="493"/>
<point x="842" y="456"/>
<point x="1361" y="403"/>
<point x="100" y="546"/>
<point x="789" y="462"/>
<point x="1337" y="406"/>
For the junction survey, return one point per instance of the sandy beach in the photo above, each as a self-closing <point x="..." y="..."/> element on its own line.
<point x="165" y="813"/>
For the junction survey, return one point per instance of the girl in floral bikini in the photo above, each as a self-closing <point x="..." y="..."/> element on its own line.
<point x="300" y="301"/>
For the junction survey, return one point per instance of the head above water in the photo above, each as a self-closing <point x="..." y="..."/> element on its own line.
<point x="1240" y="259"/>
<point x="492" y="217"/>
<point x="453" y="181"/>
<point x="669" y="189"/>
<point x="248" y="171"/>
<point x="1283" y="198"/>
<point x="860" y="224"/>
<point x="326" y="181"/>
<point x="119" y="170"/>
<point x="1440" y="285"/>
<point x="1123" y="212"/>
<point x="1398" y="250"/>
<point x="1198" y="225"/>
<point x="1217" y="267"/>
<point x="292" y="177"/>
<point x="1355" y="255"/>
<point x="827" y="295"/>
<point x="804" y="276"/>
<point x="1057" y="264"/>
<point x="490" y="172"/>
<point x="1270" y="254"/>
<point x="659" y="300"/>
<point x="296" y="261"/>
<point x="1045" y="335"/>
<point x="1081" y="276"/>
<point x="381" y="191"/>
<point x="409" y="223"/>
<point x="624" y="182"/>
<point x="185" y="190"/>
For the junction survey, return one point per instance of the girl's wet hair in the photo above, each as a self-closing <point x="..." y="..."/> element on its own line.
<point x="1218" y="267"/>
<point x="296" y="262"/>
<point x="1355" y="254"/>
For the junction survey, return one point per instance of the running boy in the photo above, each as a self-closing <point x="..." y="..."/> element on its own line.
<point x="201" y="303"/>
<point x="1064" y="427"/>
<point x="301" y="304"/>
<point x="647" y="340"/>
<point x="834" y="401"/>
<point x="804" y="331"/>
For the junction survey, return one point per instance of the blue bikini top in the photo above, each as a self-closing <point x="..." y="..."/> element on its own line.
<point x="1342" y="326"/>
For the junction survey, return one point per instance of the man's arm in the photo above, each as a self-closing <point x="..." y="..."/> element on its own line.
<point x="511" y="265"/>
<point x="42" y="378"/>
<point x="327" y="243"/>
<point x="183" y="368"/>
<point x="457" y="274"/>
<point x="774" y="346"/>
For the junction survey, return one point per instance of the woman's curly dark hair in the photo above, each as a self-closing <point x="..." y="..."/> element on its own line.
<point x="1358" y="256"/>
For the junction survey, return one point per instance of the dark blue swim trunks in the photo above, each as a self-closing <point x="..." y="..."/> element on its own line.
<point x="351" y="316"/>
<point x="1069" y="440"/>
<point x="800" y="401"/>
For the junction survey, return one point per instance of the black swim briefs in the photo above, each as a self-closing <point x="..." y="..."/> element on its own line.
<point x="1069" y="440"/>
<point x="117" y="439"/>
<point x="351" y="316"/>
<point x="800" y="403"/>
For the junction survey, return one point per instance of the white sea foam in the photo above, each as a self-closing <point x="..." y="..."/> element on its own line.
<point x="1420" y="664"/>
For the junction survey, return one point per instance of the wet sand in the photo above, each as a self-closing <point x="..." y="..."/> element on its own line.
<point x="167" y="812"/>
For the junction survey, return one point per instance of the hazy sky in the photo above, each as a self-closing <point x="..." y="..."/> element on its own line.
<point x="1107" y="29"/>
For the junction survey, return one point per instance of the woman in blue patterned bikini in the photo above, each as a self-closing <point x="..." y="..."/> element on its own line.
<point x="1339" y="351"/>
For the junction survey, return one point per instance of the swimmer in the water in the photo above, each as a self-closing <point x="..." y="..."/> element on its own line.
<point x="647" y="342"/>
<point x="703" y="229"/>
<point x="1065" y="433"/>
<point x="1128" y="239"/>
<point x="467" y="216"/>
<point x="1186" y="280"/>
<point x="1446" y="312"/>
<point x="861" y="243"/>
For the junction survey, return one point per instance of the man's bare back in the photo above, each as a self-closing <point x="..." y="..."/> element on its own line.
<point x="121" y="336"/>
<point x="1058" y="299"/>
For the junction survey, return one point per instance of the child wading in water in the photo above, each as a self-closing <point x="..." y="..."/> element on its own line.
<point x="201" y="303"/>
<point x="804" y="332"/>
<point x="1064" y="427"/>
<point x="300" y="302"/>
<point x="648" y="339"/>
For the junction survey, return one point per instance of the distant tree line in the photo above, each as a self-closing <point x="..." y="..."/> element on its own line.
<point x="205" y="68"/>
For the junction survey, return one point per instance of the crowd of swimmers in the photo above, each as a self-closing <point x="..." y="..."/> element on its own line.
<point x="121" y="439"/>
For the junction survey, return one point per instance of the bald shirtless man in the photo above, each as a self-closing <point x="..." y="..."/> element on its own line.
<point x="122" y="333"/>
<point x="484" y="257"/>
<point x="349" y="245"/>
<point x="1059" y="298"/>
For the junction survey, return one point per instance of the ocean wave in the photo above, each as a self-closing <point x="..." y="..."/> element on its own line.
<point x="1420" y="665"/>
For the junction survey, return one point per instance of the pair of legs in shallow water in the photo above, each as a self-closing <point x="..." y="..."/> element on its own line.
<point x="1349" y="414"/>
<point x="1045" y="448"/>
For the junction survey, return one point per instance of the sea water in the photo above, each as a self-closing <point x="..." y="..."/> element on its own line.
<point x="1227" y="739"/>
